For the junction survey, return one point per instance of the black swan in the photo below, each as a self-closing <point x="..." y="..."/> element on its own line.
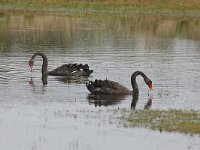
<point x="64" y="70"/>
<point x="107" y="87"/>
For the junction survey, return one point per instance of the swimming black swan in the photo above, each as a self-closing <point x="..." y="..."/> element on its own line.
<point x="64" y="70"/>
<point x="107" y="87"/>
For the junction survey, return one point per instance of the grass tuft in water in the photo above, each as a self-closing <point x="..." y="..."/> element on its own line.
<point x="166" y="120"/>
<point x="99" y="5"/>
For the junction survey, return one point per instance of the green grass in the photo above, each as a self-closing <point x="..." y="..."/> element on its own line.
<point x="98" y="5"/>
<point x="166" y="120"/>
<point x="172" y="120"/>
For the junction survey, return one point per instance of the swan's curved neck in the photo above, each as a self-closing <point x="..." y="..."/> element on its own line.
<point x="45" y="62"/>
<point x="133" y="80"/>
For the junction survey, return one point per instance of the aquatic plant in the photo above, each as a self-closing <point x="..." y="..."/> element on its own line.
<point x="103" y="5"/>
<point x="166" y="120"/>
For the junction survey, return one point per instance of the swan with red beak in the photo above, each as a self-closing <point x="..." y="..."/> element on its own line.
<point x="107" y="87"/>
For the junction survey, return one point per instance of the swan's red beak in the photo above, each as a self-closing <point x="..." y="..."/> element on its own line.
<point x="31" y="66"/>
<point x="151" y="87"/>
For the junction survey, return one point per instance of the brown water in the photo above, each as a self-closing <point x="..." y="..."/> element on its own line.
<point x="60" y="115"/>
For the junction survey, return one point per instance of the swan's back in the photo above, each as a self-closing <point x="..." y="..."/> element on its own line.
<point x="106" y="87"/>
<point x="71" y="70"/>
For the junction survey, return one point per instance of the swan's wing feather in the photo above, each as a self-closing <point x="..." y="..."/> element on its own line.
<point x="108" y="84"/>
<point x="106" y="87"/>
<point x="72" y="69"/>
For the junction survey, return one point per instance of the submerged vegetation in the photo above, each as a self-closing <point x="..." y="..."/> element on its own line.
<point x="99" y="5"/>
<point x="166" y="120"/>
<point x="172" y="120"/>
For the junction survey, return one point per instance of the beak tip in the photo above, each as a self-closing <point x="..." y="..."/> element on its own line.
<point x="31" y="67"/>
<point x="151" y="87"/>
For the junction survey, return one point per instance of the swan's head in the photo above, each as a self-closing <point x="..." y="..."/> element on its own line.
<point x="31" y="62"/>
<point x="149" y="83"/>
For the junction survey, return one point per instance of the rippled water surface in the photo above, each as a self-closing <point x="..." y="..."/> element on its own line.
<point x="60" y="115"/>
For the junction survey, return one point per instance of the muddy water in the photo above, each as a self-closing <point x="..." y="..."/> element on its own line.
<point x="60" y="115"/>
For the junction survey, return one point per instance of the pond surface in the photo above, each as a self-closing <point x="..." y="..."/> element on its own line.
<point x="60" y="115"/>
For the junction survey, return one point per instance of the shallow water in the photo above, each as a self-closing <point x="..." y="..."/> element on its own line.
<point x="60" y="115"/>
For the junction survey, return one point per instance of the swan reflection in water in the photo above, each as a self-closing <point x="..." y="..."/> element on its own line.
<point x="38" y="88"/>
<point x="107" y="100"/>
<point x="73" y="79"/>
<point x="44" y="81"/>
<point x="70" y="80"/>
<point x="135" y="100"/>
